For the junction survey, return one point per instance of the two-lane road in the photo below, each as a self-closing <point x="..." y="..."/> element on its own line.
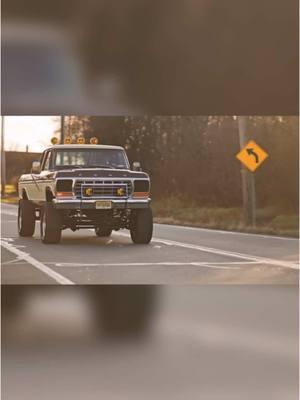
<point x="176" y="255"/>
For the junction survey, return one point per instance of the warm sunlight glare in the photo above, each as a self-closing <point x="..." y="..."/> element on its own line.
<point x="34" y="132"/>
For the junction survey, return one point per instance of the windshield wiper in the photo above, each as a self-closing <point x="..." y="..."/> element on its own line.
<point x="99" y="166"/>
<point x="68" y="166"/>
<point x="121" y="167"/>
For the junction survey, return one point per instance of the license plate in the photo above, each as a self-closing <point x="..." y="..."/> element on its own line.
<point x="103" y="205"/>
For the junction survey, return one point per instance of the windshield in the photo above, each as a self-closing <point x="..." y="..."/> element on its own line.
<point x="100" y="158"/>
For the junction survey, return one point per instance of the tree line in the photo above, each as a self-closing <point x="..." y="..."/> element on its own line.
<point x="194" y="157"/>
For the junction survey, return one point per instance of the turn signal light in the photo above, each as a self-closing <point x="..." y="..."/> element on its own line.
<point x="140" y="194"/>
<point x="64" y="194"/>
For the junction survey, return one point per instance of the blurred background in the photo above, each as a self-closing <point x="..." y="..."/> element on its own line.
<point x="170" y="149"/>
<point x="195" y="342"/>
<point x="136" y="57"/>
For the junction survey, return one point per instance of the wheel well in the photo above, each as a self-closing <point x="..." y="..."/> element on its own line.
<point x="24" y="195"/>
<point x="49" y="195"/>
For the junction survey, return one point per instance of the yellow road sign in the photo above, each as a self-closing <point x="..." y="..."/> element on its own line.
<point x="252" y="156"/>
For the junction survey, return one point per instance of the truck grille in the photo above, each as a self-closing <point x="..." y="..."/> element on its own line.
<point x="90" y="189"/>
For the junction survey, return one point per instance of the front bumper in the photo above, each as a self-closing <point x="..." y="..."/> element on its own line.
<point x="91" y="204"/>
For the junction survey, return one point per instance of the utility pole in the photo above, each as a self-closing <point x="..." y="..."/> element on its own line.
<point x="62" y="129"/>
<point x="3" y="161"/>
<point x="248" y="179"/>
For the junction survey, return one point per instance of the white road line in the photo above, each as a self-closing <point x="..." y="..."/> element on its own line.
<point x="37" y="264"/>
<point x="261" y="260"/>
<point x="9" y="205"/>
<point x="14" y="261"/>
<point x="9" y="213"/>
<point x="149" y="264"/>
<point x="7" y="239"/>
<point x="194" y="228"/>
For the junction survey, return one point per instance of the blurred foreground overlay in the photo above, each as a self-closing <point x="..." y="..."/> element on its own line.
<point x="138" y="57"/>
<point x="233" y="342"/>
<point x="196" y="178"/>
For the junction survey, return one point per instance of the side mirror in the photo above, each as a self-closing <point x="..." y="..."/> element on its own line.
<point x="136" y="166"/>
<point x="36" y="167"/>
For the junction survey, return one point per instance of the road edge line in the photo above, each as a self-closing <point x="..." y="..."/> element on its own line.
<point x="222" y="231"/>
<point x="37" y="264"/>
<point x="262" y="260"/>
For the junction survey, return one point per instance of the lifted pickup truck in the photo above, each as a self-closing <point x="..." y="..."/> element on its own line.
<point x="85" y="186"/>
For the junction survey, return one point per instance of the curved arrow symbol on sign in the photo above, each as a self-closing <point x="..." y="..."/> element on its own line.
<point x="251" y="152"/>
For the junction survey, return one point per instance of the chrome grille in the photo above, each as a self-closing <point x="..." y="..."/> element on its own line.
<point x="102" y="189"/>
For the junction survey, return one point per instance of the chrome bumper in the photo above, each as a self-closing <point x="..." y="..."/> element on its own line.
<point x="91" y="204"/>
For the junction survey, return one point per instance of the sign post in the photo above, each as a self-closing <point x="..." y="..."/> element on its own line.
<point x="251" y="156"/>
<point x="3" y="161"/>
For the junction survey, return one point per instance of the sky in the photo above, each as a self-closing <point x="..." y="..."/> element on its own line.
<point x="35" y="131"/>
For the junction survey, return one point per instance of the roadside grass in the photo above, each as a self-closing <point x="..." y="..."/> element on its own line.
<point x="9" y="189"/>
<point x="176" y="211"/>
<point x="179" y="211"/>
<point x="10" y="199"/>
<point x="11" y="196"/>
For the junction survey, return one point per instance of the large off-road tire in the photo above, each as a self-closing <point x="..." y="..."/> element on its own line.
<point x="142" y="226"/>
<point x="51" y="224"/>
<point x="26" y="218"/>
<point x="103" y="232"/>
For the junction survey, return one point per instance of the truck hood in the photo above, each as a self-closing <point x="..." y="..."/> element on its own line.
<point x="100" y="173"/>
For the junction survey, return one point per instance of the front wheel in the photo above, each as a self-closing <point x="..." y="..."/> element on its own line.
<point x="142" y="226"/>
<point x="50" y="224"/>
<point x="26" y="218"/>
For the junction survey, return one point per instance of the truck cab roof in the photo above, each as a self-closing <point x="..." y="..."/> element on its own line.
<point x="84" y="147"/>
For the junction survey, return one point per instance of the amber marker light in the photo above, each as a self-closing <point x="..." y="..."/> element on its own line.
<point x="68" y="140"/>
<point x="140" y="194"/>
<point x="64" y="194"/>
<point x="94" y="140"/>
<point x="54" y="140"/>
<point x="81" y="140"/>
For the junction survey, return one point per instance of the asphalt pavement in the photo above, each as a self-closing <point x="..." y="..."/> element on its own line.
<point x="207" y="342"/>
<point x="176" y="255"/>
